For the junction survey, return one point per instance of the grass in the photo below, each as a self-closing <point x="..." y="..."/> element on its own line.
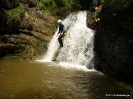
<point x="52" y="4"/>
<point x="17" y="12"/>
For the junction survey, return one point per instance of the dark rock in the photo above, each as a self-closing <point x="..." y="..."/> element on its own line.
<point x="112" y="44"/>
<point x="8" y="4"/>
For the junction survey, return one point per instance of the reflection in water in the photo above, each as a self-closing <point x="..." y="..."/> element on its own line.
<point x="35" y="80"/>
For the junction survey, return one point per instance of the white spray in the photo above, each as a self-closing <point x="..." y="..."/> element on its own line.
<point x="78" y="43"/>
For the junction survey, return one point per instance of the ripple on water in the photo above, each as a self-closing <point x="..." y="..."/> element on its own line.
<point x="41" y="80"/>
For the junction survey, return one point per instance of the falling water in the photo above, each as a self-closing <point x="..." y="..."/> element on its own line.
<point x="78" y="43"/>
<point x="52" y="47"/>
<point x="94" y="4"/>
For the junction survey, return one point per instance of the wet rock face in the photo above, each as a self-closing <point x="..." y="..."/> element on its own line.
<point x="18" y="19"/>
<point x="11" y="23"/>
<point x="31" y="3"/>
<point x="24" y="30"/>
<point x="112" y="44"/>
<point x="11" y="45"/>
<point x="15" y="43"/>
<point x="9" y="4"/>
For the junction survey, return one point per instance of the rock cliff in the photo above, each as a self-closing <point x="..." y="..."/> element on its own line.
<point x="26" y="30"/>
<point x="112" y="43"/>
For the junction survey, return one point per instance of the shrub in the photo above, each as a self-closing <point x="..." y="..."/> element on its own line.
<point x="17" y="12"/>
<point x="52" y="4"/>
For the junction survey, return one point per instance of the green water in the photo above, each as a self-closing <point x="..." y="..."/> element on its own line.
<point x="40" y="80"/>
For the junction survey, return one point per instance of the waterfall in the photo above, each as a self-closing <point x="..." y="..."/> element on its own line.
<point x="94" y="4"/>
<point x="78" y="43"/>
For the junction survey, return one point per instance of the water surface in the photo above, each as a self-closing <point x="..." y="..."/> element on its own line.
<point x="48" y="80"/>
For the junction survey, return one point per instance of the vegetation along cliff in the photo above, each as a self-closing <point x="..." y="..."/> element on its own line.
<point x="26" y="26"/>
<point x="113" y="39"/>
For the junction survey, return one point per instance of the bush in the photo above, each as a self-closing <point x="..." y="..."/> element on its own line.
<point x="52" y="4"/>
<point x="46" y="4"/>
<point x="117" y="5"/>
<point x="17" y="12"/>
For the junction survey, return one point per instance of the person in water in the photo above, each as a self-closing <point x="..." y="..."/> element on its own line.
<point x="61" y="32"/>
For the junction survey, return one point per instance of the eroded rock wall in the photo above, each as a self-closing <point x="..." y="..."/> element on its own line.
<point x="24" y="30"/>
<point x="112" y="43"/>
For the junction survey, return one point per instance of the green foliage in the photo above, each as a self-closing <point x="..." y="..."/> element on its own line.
<point x="67" y="3"/>
<point x="46" y="4"/>
<point x="40" y="5"/>
<point x="41" y="47"/>
<point x="12" y="57"/>
<point x="31" y="21"/>
<point x="119" y="5"/>
<point x="70" y="4"/>
<point x="23" y="45"/>
<point x="24" y="41"/>
<point x="52" y="4"/>
<point x="22" y="24"/>
<point x="102" y="1"/>
<point x="17" y="12"/>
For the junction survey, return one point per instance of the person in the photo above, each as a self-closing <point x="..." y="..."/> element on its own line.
<point x="61" y="32"/>
<point x="97" y="18"/>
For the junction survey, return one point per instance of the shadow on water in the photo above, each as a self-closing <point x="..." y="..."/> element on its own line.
<point x="31" y="93"/>
<point x="39" y="80"/>
<point x="99" y="86"/>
